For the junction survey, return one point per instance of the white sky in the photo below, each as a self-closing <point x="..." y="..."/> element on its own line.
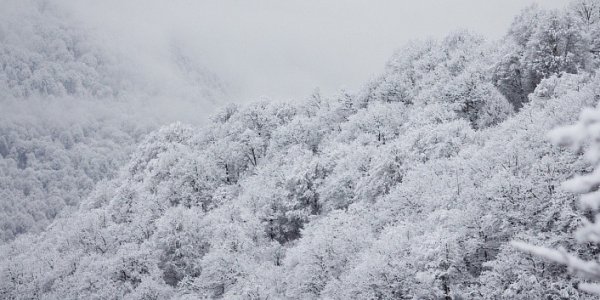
<point x="284" y="49"/>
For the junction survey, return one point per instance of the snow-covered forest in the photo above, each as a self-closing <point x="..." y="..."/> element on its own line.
<point x="468" y="168"/>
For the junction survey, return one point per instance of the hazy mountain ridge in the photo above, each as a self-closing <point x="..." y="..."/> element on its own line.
<point x="73" y="110"/>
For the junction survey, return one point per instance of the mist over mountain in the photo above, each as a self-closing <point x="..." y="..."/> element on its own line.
<point x="453" y="174"/>
<point x="74" y="107"/>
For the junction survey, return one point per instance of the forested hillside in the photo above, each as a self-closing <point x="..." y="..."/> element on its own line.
<point x="71" y="111"/>
<point x="411" y="188"/>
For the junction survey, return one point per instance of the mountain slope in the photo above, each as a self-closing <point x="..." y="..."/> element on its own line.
<point x="411" y="188"/>
<point x="73" y="110"/>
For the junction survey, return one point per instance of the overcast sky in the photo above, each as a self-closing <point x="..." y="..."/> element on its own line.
<point x="286" y="48"/>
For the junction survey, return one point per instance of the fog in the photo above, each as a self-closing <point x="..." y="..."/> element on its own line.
<point x="284" y="49"/>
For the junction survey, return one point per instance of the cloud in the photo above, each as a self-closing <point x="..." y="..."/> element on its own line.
<point x="284" y="49"/>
